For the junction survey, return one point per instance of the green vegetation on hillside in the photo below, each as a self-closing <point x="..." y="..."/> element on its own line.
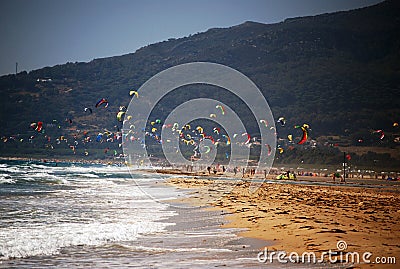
<point x="339" y="72"/>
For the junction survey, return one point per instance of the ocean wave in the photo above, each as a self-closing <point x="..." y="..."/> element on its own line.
<point x="11" y="169"/>
<point x="87" y="175"/>
<point x="97" y="206"/>
<point x="6" y="179"/>
<point x="50" y="240"/>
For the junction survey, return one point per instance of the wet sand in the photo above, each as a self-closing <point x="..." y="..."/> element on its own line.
<point x="304" y="217"/>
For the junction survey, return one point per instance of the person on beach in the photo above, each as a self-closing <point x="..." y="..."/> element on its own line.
<point x="209" y="170"/>
<point x="235" y="170"/>
<point x="335" y="175"/>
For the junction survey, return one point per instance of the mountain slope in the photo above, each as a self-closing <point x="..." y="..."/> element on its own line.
<point x="339" y="72"/>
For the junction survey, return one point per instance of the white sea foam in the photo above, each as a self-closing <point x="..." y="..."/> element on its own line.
<point x="88" y="175"/>
<point x="10" y="169"/>
<point x="94" y="210"/>
<point x="6" y="179"/>
<point x="49" y="240"/>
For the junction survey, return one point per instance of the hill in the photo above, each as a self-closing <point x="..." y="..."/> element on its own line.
<point x="338" y="72"/>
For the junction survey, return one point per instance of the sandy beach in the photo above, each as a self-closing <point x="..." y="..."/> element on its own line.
<point x="311" y="214"/>
<point x="308" y="218"/>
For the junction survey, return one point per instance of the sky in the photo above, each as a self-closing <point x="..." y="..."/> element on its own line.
<point x="40" y="33"/>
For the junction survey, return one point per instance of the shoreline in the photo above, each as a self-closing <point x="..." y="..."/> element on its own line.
<point x="298" y="216"/>
<point x="204" y="228"/>
<point x="304" y="218"/>
<point x="309" y="171"/>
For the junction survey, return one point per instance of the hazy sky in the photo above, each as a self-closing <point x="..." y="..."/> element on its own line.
<point x="39" y="33"/>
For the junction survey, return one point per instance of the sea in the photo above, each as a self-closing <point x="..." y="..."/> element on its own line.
<point x="78" y="215"/>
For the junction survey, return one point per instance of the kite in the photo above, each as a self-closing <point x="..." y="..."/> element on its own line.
<point x="377" y="131"/>
<point x="102" y="101"/>
<point x="248" y="137"/>
<point x="304" y="137"/>
<point x="228" y="140"/>
<point x="282" y="121"/>
<point x="305" y="133"/>
<point x="208" y="149"/>
<point x="134" y="93"/>
<point x="211" y="138"/>
<point x="99" y="137"/>
<point x="39" y="126"/>
<point x="265" y="123"/>
<point x="120" y="114"/>
<point x="175" y="126"/>
<point x="222" y="109"/>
